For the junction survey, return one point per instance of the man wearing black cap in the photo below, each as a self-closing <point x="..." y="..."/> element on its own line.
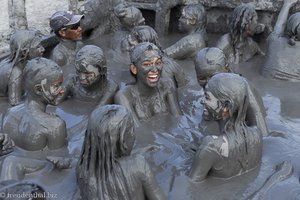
<point x="67" y="28"/>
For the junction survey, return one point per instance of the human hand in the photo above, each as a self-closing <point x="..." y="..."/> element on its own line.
<point x="6" y="144"/>
<point x="60" y="162"/>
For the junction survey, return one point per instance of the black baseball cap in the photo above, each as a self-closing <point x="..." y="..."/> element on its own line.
<point x="62" y="19"/>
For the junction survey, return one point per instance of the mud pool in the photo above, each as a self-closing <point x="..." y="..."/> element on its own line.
<point x="169" y="143"/>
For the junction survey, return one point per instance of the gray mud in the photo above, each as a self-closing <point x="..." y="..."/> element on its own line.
<point x="169" y="143"/>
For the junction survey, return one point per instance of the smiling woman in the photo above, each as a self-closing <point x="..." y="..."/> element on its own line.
<point x="150" y="94"/>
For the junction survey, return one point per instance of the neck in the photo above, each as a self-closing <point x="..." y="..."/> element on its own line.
<point x="70" y="44"/>
<point x="222" y="124"/>
<point x="145" y="90"/>
<point x="35" y="104"/>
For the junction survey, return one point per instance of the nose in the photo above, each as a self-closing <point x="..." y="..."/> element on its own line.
<point x="202" y="100"/>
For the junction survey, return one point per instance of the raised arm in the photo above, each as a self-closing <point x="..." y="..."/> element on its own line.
<point x="283" y="16"/>
<point x="109" y="94"/>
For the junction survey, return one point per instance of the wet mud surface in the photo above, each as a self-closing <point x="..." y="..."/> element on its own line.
<point x="169" y="143"/>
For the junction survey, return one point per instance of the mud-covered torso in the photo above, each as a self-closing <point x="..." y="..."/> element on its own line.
<point x="147" y="106"/>
<point x="282" y="60"/>
<point x="5" y="71"/>
<point x="32" y="130"/>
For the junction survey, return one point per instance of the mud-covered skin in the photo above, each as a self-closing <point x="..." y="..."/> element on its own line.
<point x="149" y="95"/>
<point x="28" y="124"/>
<point x="238" y="44"/>
<point x="110" y="132"/>
<point x="24" y="45"/>
<point x="90" y="82"/>
<point x="282" y="58"/>
<point x="193" y="22"/>
<point x="239" y="147"/>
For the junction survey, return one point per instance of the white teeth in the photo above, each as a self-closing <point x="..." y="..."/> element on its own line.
<point x="153" y="76"/>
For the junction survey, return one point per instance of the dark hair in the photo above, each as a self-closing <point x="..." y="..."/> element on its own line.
<point x="99" y="172"/>
<point x="240" y="18"/>
<point x="145" y="34"/>
<point x="292" y="26"/>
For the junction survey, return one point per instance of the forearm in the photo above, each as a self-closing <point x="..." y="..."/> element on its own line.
<point x="282" y="18"/>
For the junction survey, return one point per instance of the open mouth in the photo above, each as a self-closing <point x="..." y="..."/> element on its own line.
<point x="153" y="77"/>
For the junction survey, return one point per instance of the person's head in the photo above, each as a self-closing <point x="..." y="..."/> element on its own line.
<point x="66" y="25"/>
<point x="90" y="64"/>
<point x="43" y="79"/>
<point x="208" y="62"/>
<point x="243" y="21"/>
<point x="146" y="63"/>
<point x="293" y="28"/>
<point x="193" y="18"/>
<point x="141" y="34"/>
<point x="226" y="98"/>
<point x="109" y="136"/>
<point x="129" y="16"/>
<point x="25" y="45"/>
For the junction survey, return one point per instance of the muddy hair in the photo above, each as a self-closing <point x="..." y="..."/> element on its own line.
<point x="240" y="18"/>
<point x="39" y="69"/>
<point x="291" y="28"/>
<point x="123" y="10"/>
<point x="197" y="12"/>
<point x="145" y="34"/>
<point x="232" y="90"/>
<point x="93" y="55"/>
<point x="99" y="173"/>
<point x="210" y="61"/>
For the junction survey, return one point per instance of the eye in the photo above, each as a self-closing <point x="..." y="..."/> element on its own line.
<point x="159" y="62"/>
<point x="146" y="64"/>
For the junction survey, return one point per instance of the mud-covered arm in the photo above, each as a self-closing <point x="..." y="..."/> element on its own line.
<point x="124" y="99"/>
<point x="57" y="137"/>
<point x="151" y="188"/>
<point x="59" y="58"/>
<point x="173" y="100"/>
<point x="282" y="17"/>
<point x="172" y="67"/>
<point x="15" y="86"/>
<point x="109" y="94"/>
<point x="184" y="48"/>
<point x="68" y="86"/>
<point x="6" y="144"/>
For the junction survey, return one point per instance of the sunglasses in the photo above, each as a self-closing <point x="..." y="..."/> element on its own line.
<point x="73" y="26"/>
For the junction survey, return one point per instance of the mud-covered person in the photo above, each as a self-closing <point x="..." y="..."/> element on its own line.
<point x="171" y="68"/>
<point x="24" y="45"/>
<point x="67" y="28"/>
<point x="211" y="61"/>
<point x="283" y="58"/>
<point x="150" y="94"/>
<point x="237" y="147"/>
<point x="193" y="22"/>
<point x="90" y="84"/>
<point x="30" y="127"/>
<point x="105" y="169"/>
<point x="238" y="44"/>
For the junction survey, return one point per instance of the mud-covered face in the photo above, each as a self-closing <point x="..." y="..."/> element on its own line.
<point x="72" y="32"/>
<point x="202" y="80"/>
<point x="213" y="108"/>
<point x="88" y="74"/>
<point x="149" y="69"/>
<point x="36" y="49"/>
<point x="130" y="20"/>
<point x="251" y="28"/>
<point x="51" y="89"/>
<point x="186" y="23"/>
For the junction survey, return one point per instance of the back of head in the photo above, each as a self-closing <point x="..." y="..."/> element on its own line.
<point x="110" y="134"/>
<point x="210" y="61"/>
<point x="91" y="55"/>
<point x="145" y="34"/>
<point x="21" y="41"/>
<point x="38" y="70"/>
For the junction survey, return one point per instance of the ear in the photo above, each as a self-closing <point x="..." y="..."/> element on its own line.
<point x="133" y="69"/>
<point x="227" y="68"/>
<point x="38" y="89"/>
<point x="226" y="110"/>
<point x="62" y="33"/>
